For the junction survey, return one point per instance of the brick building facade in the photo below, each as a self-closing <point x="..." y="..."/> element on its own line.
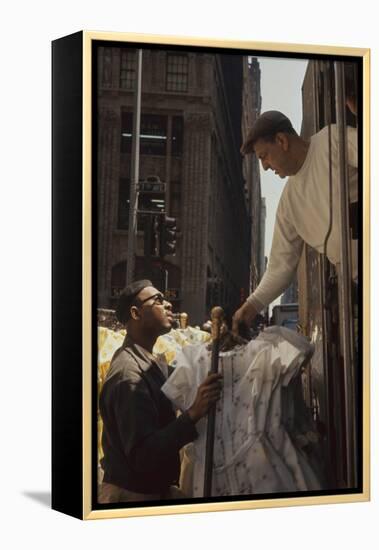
<point x="196" y="109"/>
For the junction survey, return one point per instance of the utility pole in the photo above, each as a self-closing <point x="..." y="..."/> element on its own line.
<point x="134" y="175"/>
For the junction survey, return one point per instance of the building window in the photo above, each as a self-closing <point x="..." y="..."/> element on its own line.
<point x="107" y="68"/>
<point x="177" y="135"/>
<point x="175" y="200"/>
<point x="127" y="69"/>
<point x="177" y="73"/>
<point x="123" y="203"/>
<point x="153" y="134"/>
<point x="118" y="279"/>
<point x="126" y="132"/>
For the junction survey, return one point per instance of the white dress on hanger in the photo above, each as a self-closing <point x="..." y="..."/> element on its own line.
<point x="254" y="452"/>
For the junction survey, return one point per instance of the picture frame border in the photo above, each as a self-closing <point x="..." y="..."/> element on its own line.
<point x="87" y="291"/>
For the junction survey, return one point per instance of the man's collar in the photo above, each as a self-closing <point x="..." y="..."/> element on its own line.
<point x="136" y="351"/>
<point x="143" y="356"/>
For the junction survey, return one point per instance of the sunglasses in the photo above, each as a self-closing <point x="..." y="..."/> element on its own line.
<point x="159" y="299"/>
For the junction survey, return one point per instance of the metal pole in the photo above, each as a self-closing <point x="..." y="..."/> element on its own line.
<point x="134" y="173"/>
<point x="217" y="315"/>
<point x="345" y="280"/>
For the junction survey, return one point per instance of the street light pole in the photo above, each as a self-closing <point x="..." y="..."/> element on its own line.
<point x="134" y="175"/>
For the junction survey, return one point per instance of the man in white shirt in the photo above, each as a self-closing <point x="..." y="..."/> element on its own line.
<point x="307" y="212"/>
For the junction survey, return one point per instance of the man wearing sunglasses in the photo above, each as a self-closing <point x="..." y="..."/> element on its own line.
<point x="142" y="434"/>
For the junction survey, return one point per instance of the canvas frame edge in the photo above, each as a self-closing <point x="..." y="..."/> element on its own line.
<point x="88" y="38"/>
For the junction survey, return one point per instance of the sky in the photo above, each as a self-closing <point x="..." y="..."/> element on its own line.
<point x="281" y="83"/>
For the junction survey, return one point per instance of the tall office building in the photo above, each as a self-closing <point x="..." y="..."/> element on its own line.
<point x="196" y="110"/>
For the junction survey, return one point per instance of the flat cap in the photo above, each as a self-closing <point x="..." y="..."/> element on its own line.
<point x="127" y="297"/>
<point x="267" y="125"/>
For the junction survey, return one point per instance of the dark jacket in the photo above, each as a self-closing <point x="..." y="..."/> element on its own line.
<point x="142" y="435"/>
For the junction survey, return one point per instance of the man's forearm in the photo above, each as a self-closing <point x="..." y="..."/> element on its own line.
<point x="272" y="285"/>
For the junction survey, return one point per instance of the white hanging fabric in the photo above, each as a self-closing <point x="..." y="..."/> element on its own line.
<point x="254" y="452"/>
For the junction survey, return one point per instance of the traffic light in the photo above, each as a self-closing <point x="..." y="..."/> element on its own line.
<point x="151" y="236"/>
<point x="167" y="237"/>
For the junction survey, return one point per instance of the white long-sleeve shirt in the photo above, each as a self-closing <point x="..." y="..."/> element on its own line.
<point x="303" y="214"/>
